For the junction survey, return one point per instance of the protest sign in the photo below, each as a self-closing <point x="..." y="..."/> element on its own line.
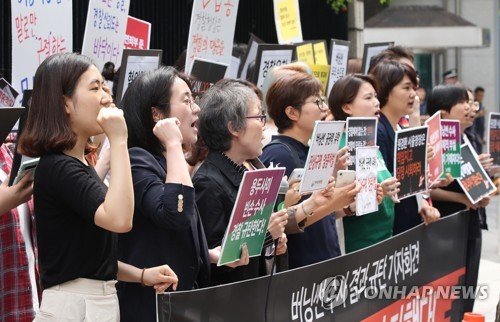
<point x="7" y="94"/>
<point x="320" y="56"/>
<point x="269" y="56"/>
<point x="234" y="67"/>
<point x="8" y="118"/>
<point x="409" y="277"/>
<point x="493" y="137"/>
<point x="371" y="50"/>
<point x="338" y="61"/>
<point x="360" y="132"/>
<point x="321" y="72"/>
<point x="104" y="36"/>
<point x="366" y="177"/>
<point x="321" y="157"/>
<point x="434" y="139"/>
<point x="134" y="63"/>
<point x="450" y="143"/>
<point x="204" y="74"/>
<point x="211" y="31"/>
<point x="39" y="30"/>
<point x="137" y="34"/>
<point x="287" y="20"/>
<point x="250" y="216"/>
<point x="474" y="181"/>
<point x="250" y="56"/>
<point x="305" y="53"/>
<point x="410" y="158"/>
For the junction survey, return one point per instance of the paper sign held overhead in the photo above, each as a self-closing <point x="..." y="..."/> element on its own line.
<point x="39" y="30"/>
<point x="371" y="50"/>
<point x="104" y="36"/>
<point x="211" y="31"/>
<point x="269" y="56"/>
<point x="287" y="20"/>
<point x="7" y="94"/>
<point x="136" y="62"/>
<point x="338" y="62"/>
<point x="138" y="34"/>
<point x="320" y="53"/>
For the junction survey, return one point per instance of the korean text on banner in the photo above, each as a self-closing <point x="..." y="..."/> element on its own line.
<point x="434" y="140"/>
<point x="450" y="143"/>
<point x="366" y="177"/>
<point x="39" y="30"/>
<point x="105" y="31"/>
<point x="320" y="161"/>
<point x="287" y="20"/>
<point x="250" y="216"/>
<point x="211" y="31"/>
<point x="137" y="34"/>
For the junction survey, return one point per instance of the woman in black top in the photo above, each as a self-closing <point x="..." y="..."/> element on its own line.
<point x="162" y="117"/>
<point x="396" y="94"/>
<point x="231" y="124"/>
<point x="77" y="216"/>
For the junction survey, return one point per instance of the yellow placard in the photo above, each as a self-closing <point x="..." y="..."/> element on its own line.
<point x="322" y="72"/>
<point x="305" y="53"/>
<point x="320" y="56"/>
<point x="288" y="20"/>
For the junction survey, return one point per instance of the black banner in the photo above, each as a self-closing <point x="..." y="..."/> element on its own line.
<point x="410" y="154"/>
<point x="373" y="284"/>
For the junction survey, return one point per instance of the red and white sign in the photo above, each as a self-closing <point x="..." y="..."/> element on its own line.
<point x="137" y="34"/>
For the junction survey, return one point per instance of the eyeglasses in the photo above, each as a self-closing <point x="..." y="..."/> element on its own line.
<point x="262" y="118"/>
<point x="321" y="102"/>
<point x="190" y="101"/>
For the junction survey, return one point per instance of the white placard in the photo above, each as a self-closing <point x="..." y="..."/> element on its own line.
<point x="338" y="62"/>
<point x="39" y="29"/>
<point x="234" y="67"/>
<point x="371" y="50"/>
<point x="136" y="65"/>
<point x="270" y="59"/>
<point x="366" y="176"/>
<point x="211" y="31"/>
<point x="104" y="37"/>
<point x="321" y="157"/>
<point x="252" y="54"/>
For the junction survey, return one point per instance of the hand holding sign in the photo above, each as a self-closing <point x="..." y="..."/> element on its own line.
<point x="277" y="223"/>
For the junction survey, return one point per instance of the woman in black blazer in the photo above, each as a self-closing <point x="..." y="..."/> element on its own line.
<point x="161" y="116"/>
